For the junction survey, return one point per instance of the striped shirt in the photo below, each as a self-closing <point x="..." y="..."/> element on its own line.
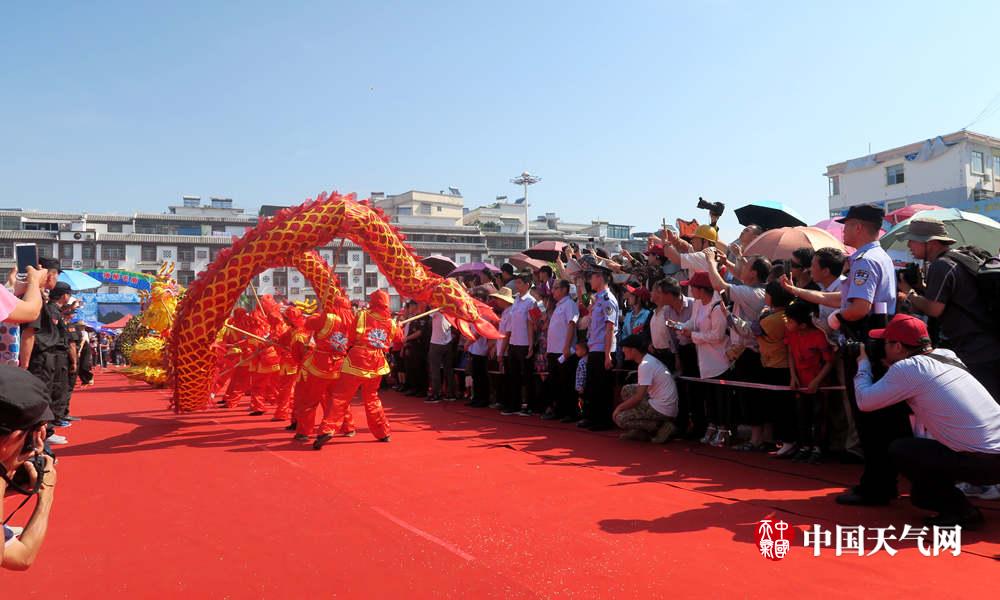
<point x="954" y="407"/>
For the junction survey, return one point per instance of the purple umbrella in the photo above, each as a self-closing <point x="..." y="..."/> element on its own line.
<point x="475" y="267"/>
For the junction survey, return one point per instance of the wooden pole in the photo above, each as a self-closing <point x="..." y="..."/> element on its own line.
<point x="253" y="336"/>
<point x="421" y="315"/>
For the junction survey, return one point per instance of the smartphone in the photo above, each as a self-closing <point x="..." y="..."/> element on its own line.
<point x="26" y="254"/>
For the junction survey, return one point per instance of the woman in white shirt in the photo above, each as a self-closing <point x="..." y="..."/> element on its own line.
<point x="707" y="329"/>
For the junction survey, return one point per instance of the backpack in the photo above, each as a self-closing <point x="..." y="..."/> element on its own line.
<point x="986" y="271"/>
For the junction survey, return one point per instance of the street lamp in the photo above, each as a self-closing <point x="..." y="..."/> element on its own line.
<point x="526" y="179"/>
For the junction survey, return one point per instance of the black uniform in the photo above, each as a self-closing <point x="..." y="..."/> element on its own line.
<point x="50" y="357"/>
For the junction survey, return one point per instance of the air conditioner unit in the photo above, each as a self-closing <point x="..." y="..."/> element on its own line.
<point x="100" y="264"/>
<point x="357" y="290"/>
<point x="112" y="264"/>
<point x="294" y="290"/>
<point x="356" y="272"/>
<point x="185" y="266"/>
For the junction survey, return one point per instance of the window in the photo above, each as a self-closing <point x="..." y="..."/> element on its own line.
<point x="7" y="251"/>
<point x="404" y="211"/>
<point x="44" y="250"/>
<point x="89" y="252"/>
<point x="218" y="228"/>
<point x="439" y="209"/>
<point x="618" y="232"/>
<point x="167" y="253"/>
<point x="185" y="277"/>
<point x="41" y="227"/>
<point x="996" y="166"/>
<point x="835" y="185"/>
<point x="114" y="227"/>
<point x="112" y="252"/>
<point x="977" y="164"/>
<point x="10" y="223"/>
<point x="213" y="252"/>
<point x="894" y="174"/>
<point x="201" y="254"/>
<point x="280" y="279"/>
<point x="66" y="250"/>
<point x="148" y="254"/>
<point x="424" y="209"/>
<point x="189" y="230"/>
<point x="371" y="280"/>
<point x="185" y="254"/>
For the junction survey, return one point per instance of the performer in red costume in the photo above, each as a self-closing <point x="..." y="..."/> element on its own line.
<point x="239" y="348"/>
<point x="226" y="358"/>
<point x="371" y="338"/>
<point x="266" y="365"/>
<point x="294" y="330"/>
<point x="321" y="367"/>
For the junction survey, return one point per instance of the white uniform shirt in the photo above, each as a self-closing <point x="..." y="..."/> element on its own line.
<point x="563" y="318"/>
<point x="519" y="318"/>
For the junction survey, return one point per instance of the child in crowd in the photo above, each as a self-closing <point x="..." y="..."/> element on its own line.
<point x="581" y="370"/>
<point x="770" y="333"/>
<point x="811" y="360"/>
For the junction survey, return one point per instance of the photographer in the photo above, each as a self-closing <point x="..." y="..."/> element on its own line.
<point x="954" y="407"/>
<point x="952" y="296"/>
<point x="24" y="409"/>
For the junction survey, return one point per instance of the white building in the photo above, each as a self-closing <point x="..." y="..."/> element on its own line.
<point x="502" y="224"/>
<point x="959" y="170"/>
<point x="191" y="236"/>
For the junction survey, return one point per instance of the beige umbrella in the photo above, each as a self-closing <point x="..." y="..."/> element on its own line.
<point x="778" y="244"/>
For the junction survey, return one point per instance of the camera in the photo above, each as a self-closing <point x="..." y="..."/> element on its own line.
<point x="911" y="275"/>
<point x="875" y="349"/>
<point x="21" y="481"/>
<point x="713" y="208"/>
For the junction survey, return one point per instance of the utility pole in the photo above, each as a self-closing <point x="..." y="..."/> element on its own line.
<point x="526" y="179"/>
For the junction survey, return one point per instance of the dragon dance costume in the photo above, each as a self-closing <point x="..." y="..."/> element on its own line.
<point x="370" y="339"/>
<point x="321" y="366"/>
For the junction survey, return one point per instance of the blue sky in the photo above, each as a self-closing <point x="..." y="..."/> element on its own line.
<point x="628" y="110"/>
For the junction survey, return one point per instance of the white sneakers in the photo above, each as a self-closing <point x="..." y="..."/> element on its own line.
<point x="57" y="439"/>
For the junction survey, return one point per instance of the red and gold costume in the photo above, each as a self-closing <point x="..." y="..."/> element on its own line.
<point x="266" y="364"/>
<point x="293" y="336"/>
<point x="238" y="354"/>
<point x="370" y="339"/>
<point x="321" y="367"/>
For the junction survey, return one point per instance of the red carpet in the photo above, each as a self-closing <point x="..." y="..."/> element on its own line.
<point x="462" y="503"/>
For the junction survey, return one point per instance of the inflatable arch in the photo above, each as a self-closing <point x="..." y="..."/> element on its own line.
<point x="290" y="239"/>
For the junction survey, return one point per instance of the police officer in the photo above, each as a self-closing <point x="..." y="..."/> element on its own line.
<point x="50" y="353"/>
<point x="868" y="301"/>
<point x="602" y="335"/>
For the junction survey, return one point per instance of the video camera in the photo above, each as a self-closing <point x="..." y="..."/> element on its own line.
<point x="714" y="208"/>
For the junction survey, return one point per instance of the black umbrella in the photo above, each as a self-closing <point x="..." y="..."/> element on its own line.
<point x="769" y="215"/>
<point x="439" y="265"/>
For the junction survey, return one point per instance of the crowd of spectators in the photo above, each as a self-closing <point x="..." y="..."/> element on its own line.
<point x="700" y="340"/>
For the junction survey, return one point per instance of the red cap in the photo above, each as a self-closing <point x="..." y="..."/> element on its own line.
<point x="699" y="279"/>
<point x="905" y="329"/>
<point x="640" y="292"/>
<point x="656" y="250"/>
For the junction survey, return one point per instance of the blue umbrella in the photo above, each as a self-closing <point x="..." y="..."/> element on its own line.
<point x="769" y="215"/>
<point x="78" y="280"/>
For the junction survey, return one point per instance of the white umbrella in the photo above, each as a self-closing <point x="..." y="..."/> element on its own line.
<point x="968" y="229"/>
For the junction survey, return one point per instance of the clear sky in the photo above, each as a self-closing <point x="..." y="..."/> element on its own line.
<point x="628" y="110"/>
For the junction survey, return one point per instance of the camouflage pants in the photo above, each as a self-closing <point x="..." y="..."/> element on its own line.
<point x="641" y="416"/>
